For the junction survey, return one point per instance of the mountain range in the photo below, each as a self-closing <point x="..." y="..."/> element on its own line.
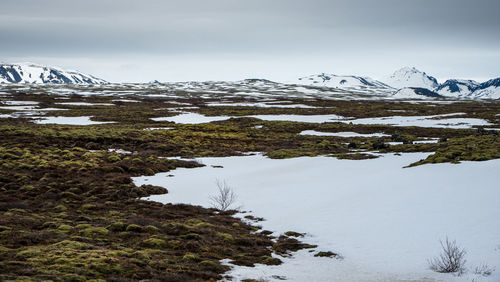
<point x="33" y="73"/>
<point x="405" y="83"/>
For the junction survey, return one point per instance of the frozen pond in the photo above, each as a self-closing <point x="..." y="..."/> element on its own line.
<point x="68" y="121"/>
<point x="342" y="134"/>
<point x="384" y="219"/>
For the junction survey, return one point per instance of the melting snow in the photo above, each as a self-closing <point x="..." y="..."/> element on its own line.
<point x="384" y="219"/>
<point x="425" y="121"/>
<point x="190" y="118"/>
<point x="342" y="134"/>
<point x="68" y="121"/>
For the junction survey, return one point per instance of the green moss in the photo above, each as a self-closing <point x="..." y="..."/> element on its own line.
<point x="117" y="226"/>
<point x="49" y="224"/>
<point x="196" y="223"/>
<point x="89" y="207"/>
<point x="72" y="245"/>
<point x="270" y="260"/>
<point x="30" y="252"/>
<point x="64" y="228"/>
<point x="28" y="188"/>
<point x="191" y="257"/>
<point x="226" y="236"/>
<point x="293" y="234"/>
<point x="154" y="243"/>
<point x="151" y="229"/>
<point x="289" y="153"/>
<point x="134" y="228"/>
<point x="326" y="254"/>
<point x="94" y="231"/>
<point x="210" y="266"/>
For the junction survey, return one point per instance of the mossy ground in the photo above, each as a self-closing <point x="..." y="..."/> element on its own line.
<point x="70" y="211"/>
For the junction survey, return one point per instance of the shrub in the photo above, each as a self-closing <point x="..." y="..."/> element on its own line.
<point x="451" y="260"/>
<point x="225" y="197"/>
<point x="483" y="270"/>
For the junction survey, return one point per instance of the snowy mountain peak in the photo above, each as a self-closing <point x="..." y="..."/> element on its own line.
<point x="34" y="73"/>
<point x="411" y="77"/>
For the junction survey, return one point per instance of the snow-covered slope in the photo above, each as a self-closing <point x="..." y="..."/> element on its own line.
<point x="411" y="77"/>
<point x="33" y="73"/>
<point x="457" y="88"/>
<point x="488" y="90"/>
<point x="345" y="82"/>
<point x="415" y="93"/>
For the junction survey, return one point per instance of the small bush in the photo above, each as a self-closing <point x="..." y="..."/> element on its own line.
<point x="225" y="197"/>
<point x="484" y="270"/>
<point x="451" y="260"/>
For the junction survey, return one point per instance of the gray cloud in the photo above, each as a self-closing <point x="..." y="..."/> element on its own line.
<point x="367" y="32"/>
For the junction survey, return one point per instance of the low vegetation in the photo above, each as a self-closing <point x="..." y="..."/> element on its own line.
<point x="70" y="211"/>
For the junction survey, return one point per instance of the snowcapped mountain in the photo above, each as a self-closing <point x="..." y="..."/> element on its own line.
<point x="345" y="82"/>
<point x="405" y="83"/>
<point x="411" y="77"/>
<point x="33" y="73"/>
<point x="457" y="88"/>
<point x="488" y="90"/>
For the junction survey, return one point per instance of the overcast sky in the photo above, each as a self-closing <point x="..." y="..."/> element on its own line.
<point x="139" y="41"/>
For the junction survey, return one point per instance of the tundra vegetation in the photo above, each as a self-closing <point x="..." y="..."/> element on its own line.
<point x="70" y="212"/>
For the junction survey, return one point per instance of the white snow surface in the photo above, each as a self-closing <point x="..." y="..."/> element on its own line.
<point x="441" y="121"/>
<point x="342" y="134"/>
<point x="84" y="104"/>
<point x="491" y="92"/>
<point x="68" y="121"/>
<point x="408" y="93"/>
<point x="19" y="103"/>
<point x="190" y="118"/>
<point x="195" y="118"/>
<point x="384" y="219"/>
<point x="301" y="118"/>
<point x="261" y="105"/>
<point x="345" y="82"/>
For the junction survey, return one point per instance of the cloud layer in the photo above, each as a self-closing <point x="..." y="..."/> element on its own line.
<point x="230" y="39"/>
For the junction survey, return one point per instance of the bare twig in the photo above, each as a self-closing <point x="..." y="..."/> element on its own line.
<point x="225" y="197"/>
